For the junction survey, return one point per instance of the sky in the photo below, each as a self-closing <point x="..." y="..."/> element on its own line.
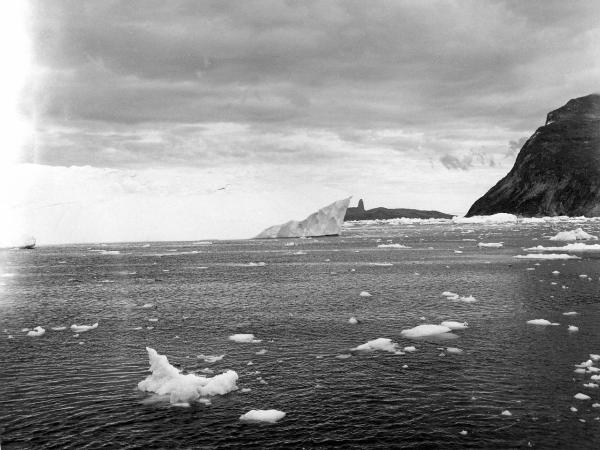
<point x="188" y="120"/>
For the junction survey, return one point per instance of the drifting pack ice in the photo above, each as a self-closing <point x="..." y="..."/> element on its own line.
<point x="325" y="222"/>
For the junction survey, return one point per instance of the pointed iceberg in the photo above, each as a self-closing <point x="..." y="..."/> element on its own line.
<point x="325" y="222"/>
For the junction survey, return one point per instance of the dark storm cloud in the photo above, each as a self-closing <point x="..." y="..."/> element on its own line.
<point x="334" y="65"/>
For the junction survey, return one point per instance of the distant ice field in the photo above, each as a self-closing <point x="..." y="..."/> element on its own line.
<point x="278" y="315"/>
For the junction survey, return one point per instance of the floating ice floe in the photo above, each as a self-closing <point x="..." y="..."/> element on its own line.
<point x="506" y="412"/>
<point x="573" y="235"/>
<point x="555" y="272"/>
<point x="590" y="385"/>
<point x="263" y="415"/>
<point x="244" y="338"/>
<point x="573" y="409"/>
<point x="382" y="344"/>
<point x="450" y="295"/>
<point x="410" y="349"/>
<point x="210" y="358"/>
<point x="253" y="264"/>
<point x="543" y="322"/>
<point x="491" y="219"/>
<point x="37" y="331"/>
<point x="83" y="328"/>
<point x="61" y="328"/>
<point x="594" y="357"/>
<point x="147" y="305"/>
<point x="580" y="396"/>
<point x="183" y="389"/>
<point x="392" y="246"/>
<point x="365" y="294"/>
<point x="152" y="319"/>
<point x="576" y="248"/>
<point x="260" y="352"/>
<point x="453" y="325"/>
<point x="381" y="264"/>
<point x="353" y="320"/>
<point x="490" y="244"/>
<point x="424" y="330"/>
<point x="547" y="256"/>
<point x="573" y="328"/>
<point x="569" y="313"/>
<point x="463" y="432"/>
<point x="454" y="350"/>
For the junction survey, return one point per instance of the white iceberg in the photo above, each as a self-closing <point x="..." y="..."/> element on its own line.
<point x="424" y="330"/>
<point x="542" y="322"/>
<point x="183" y="389"/>
<point x="382" y="344"/>
<point x="244" y="338"/>
<point x="37" y="331"/>
<point x="547" y="256"/>
<point x="574" y="235"/>
<point x="263" y="415"/>
<point x="325" y="222"/>
<point x="490" y="244"/>
<point x="580" y="396"/>
<point x="83" y="328"/>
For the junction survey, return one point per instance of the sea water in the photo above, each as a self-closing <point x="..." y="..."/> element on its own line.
<point x="498" y="383"/>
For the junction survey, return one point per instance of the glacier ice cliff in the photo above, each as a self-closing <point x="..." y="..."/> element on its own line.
<point x="326" y="221"/>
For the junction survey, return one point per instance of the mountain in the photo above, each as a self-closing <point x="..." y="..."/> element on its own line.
<point x="359" y="213"/>
<point x="557" y="172"/>
<point x="326" y="221"/>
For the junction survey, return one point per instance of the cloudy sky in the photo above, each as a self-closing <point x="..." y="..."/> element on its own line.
<point x="141" y="112"/>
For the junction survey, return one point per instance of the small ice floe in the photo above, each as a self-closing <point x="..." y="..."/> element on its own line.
<point x="596" y="405"/>
<point x="381" y="344"/>
<point x="37" y="331"/>
<point x="450" y="295"/>
<point x="245" y="390"/>
<point x="590" y="385"/>
<point x="490" y="244"/>
<point x="574" y="235"/>
<point x="152" y="319"/>
<point x="594" y="357"/>
<point x="542" y="322"/>
<point x="381" y="264"/>
<point x="149" y="328"/>
<point x="365" y="294"/>
<point x="595" y="378"/>
<point x="506" y="412"/>
<point x="583" y="275"/>
<point x="570" y="313"/>
<point x="457" y="251"/>
<point x="147" y="305"/>
<point x="61" y="328"/>
<point x="260" y="352"/>
<point x="585" y="364"/>
<point x="299" y="252"/>
<point x="579" y="371"/>
<point x="467" y="299"/>
<point x="573" y="328"/>
<point x="183" y="389"/>
<point x="25" y="330"/>
<point x="580" y="396"/>
<point x="136" y="328"/>
<point x="262" y="415"/>
<point x="424" y="330"/>
<point x="453" y="325"/>
<point x="547" y="256"/>
<point x="244" y="338"/>
<point x="463" y="433"/>
<point x="83" y="328"/>
<point x="409" y="349"/>
<point x="392" y="246"/>
<point x="344" y="356"/>
<point x="253" y="264"/>
<point x="555" y="272"/>
<point x="573" y="409"/>
<point x="210" y="358"/>
<point x="353" y="320"/>
<point x="530" y="268"/>
<point x="454" y="350"/>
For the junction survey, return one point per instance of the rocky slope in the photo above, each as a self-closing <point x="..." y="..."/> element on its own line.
<point x="359" y="213"/>
<point x="557" y="172"/>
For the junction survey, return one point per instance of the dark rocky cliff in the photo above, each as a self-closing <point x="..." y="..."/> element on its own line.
<point x="557" y="172"/>
<point x="359" y="213"/>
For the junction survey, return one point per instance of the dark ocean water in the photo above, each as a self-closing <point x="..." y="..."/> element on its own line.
<point x="61" y="391"/>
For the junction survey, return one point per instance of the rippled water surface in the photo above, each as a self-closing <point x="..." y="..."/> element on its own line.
<point x="64" y="391"/>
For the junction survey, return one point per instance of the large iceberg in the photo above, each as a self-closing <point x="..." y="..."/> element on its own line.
<point x="325" y="222"/>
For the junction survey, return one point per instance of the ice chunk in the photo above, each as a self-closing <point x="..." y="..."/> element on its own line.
<point x="168" y="380"/>
<point x="590" y="385"/>
<point x="594" y="357"/>
<point x="83" y="328"/>
<point x="547" y="256"/>
<point x="580" y="396"/>
<point x="506" y="412"/>
<point x="325" y="222"/>
<point x="596" y="405"/>
<point x="424" y="330"/>
<point x="464" y="432"/>
<point x="577" y="247"/>
<point x="454" y="350"/>
<point x="491" y="219"/>
<point x="573" y="235"/>
<point x="555" y="272"/>
<point x="353" y="320"/>
<point x="573" y="409"/>
<point x="569" y="313"/>
<point x="261" y="352"/>
<point x="365" y="294"/>
<point x="573" y="328"/>
<point x="392" y="246"/>
<point x="147" y="305"/>
<point x="382" y="344"/>
<point x="468" y="299"/>
<point x="450" y="295"/>
<point x="263" y="415"/>
<point x="211" y="359"/>
<point x="153" y="319"/>
<point x="490" y="244"/>
<point x="244" y="338"/>
<point x="541" y="322"/>
<point x="37" y="331"/>
<point x="453" y="325"/>
<point x="61" y="328"/>
<point x="410" y="349"/>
